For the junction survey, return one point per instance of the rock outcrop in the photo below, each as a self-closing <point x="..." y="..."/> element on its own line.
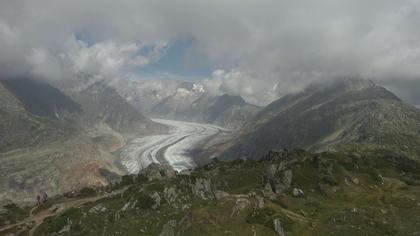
<point x="156" y="171"/>
<point x="278" y="178"/>
<point x="202" y="188"/>
<point x="174" y="228"/>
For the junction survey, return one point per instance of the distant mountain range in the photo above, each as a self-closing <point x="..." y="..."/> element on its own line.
<point x="188" y="101"/>
<point x="353" y="115"/>
<point x="55" y="142"/>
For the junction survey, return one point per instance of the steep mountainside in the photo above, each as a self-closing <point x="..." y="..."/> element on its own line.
<point x="43" y="146"/>
<point x="348" y="114"/>
<point x="100" y="103"/>
<point x="19" y="127"/>
<point x="41" y="99"/>
<point x="225" y="110"/>
<point x="286" y="193"/>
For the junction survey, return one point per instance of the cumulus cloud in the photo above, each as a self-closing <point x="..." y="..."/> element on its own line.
<point x="259" y="44"/>
<point x="234" y="82"/>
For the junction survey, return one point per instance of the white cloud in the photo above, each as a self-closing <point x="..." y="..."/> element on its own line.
<point x="234" y="82"/>
<point x="102" y="59"/>
<point x="288" y="43"/>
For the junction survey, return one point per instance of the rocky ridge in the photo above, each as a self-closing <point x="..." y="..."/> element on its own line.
<point x="324" y="193"/>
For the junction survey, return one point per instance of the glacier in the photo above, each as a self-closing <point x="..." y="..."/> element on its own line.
<point x="172" y="149"/>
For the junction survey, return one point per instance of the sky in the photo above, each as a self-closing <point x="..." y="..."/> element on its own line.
<point x="258" y="49"/>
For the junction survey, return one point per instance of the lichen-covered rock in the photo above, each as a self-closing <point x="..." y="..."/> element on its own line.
<point x="202" y="188"/>
<point x="174" y="228"/>
<point x="98" y="208"/>
<point x="297" y="192"/>
<point x="219" y="194"/>
<point x="259" y="202"/>
<point x="170" y="194"/>
<point x="278" y="178"/>
<point x="157" y="200"/>
<point x="278" y="227"/>
<point x="168" y="229"/>
<point x="241" y="203"/>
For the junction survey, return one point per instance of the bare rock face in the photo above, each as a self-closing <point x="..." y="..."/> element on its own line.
<point x="202" y="188"/>
<point x="219" y="194"/>
<point x="157" y="200"/>
<point x="278" y="227"/>
<point x="169" y="229"/>
<point x="278" y="178"/>
<point x="157" y="171"/>
<point x="241" y="204"/>
<point x="170" y="194"/>
<point x="259" y="202"/>
<point x="174" y="228"/>
<point x="98" y="208"/>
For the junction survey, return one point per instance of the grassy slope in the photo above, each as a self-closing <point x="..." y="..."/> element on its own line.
<point x="384" y="201"/>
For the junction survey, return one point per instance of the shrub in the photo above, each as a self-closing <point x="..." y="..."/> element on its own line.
<point x="127" y="180"/>
<point x="144" y="201"/>
<point x="87" y="192"/>
<point x="156" y="187"/>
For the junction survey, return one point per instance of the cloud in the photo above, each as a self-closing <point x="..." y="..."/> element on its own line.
<point x="234" y="82"/>
<point x="102" y="59"/>
<point x="259" y="44"/>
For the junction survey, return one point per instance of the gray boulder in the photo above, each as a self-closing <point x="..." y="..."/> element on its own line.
<point x="170" y="194"/>
<point x="297" y="192"/>
<point x="278" y="178"/>
<point x="174" y="228"/>
<point x="157" y="200"/>
<point x="169" y="229"/>
<point x="278" y="227"/>
<point x="241" y="204"/>
<point x="202" y="188"/>
<point x="219" y="194"/>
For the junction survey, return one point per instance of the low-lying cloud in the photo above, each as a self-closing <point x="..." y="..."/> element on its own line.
<point x="264" y="48"/>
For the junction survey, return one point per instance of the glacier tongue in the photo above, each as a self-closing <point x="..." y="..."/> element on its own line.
<point x="172" y="148"/>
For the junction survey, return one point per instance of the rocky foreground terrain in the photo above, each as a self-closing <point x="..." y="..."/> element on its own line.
<point x="285" y="193"/>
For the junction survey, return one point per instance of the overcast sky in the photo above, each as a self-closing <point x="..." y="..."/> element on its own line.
<point x="259" y="49"/>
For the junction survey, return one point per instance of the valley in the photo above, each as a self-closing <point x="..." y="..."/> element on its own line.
<point x="174" y="148"/>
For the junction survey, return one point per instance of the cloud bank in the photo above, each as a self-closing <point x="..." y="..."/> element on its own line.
<point x="263" y="48"/>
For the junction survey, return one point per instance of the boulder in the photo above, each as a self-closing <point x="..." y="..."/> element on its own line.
<point x="174" y="228"/>
<point x="297" y="192"/>
<point x="98" y="208"/>
<point x="355" y="180"/>
<point x="278" y="178"/>
<point x="241" y="203"/>
<point x="219" y="194"/>
<point x="157" y="199"/>
<point x="259" y="202"/>
<point x="202" y="188"/>
<point x="278" y="227"/>
<point x="169" y="228"/>
<point x="170" y="194"/>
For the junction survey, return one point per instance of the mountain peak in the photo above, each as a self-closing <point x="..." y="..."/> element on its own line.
<point x="341" y="114"/>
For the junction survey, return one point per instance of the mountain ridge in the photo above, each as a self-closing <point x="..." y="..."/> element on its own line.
<point x="349" y="113"/>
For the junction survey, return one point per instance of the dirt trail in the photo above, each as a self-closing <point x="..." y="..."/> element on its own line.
<point x="56" y="209"/>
